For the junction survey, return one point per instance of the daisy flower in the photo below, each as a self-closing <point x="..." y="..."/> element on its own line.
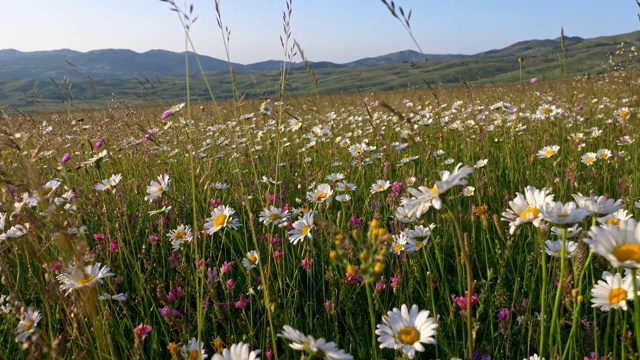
<point x="109" y="184"/>
<point x="604" y="154"/>
<point x="526" y="208"/>
<point x="410" y="181"/>
<point x="118" y="297"/>
<point x="27" y="325"/>
<point x="563" y="215"/>
<point x="251" y="260"/>
<point x="302" y="228"/>
<point x="534" y="357"/>
<point x="194" y="350"/>
<point x="451" y="179"/>
<point x="220" y="186"/>
<point x="598" y="205"/>
<point x="15" y="231"/>
<point x="316" y="348"/>
<point x="554" y="248"/>
<point x="576" y="136"/>
<point x="398" y="244"/>
<point x="165" y="209"/>
<point x="625" y="140"/>
<point x="343" y="198"/>
<point x="406" y="330"/>
<point x="274" y="215"/>
<point x="417" y="237"/>
<point x="620" y="244"/>
<point x="83" y="276"/>
<point x="294" y="124"/>
<point x="615" y="218"/>
<point x="222" y="216"/>
<point x="239" y="351"/>
<point x="548" y="151"/>
<point x="589" y="158"/>
<point x="94" y="160"/>
<point x="468" y="191"/>
<point x="570" y="232"/>
<point x="613" y="292"/>
<point x="379" y="186"/>
<point x="335" y="177"/>
<point x="180" y="235"/>
<point x="321" y="194"/>
<point x="404" y="215"/>
<point x="266" y="108"/>
<point x="156" y="189"/>
<point x="481" y="163"/>
<point x="345" y="186"/>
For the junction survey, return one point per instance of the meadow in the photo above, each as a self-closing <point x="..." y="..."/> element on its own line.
<point x="467" y="222"/>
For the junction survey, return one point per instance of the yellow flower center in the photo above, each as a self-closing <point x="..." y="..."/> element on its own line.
<point x="589" y="159"/>
<point x="321" y="196"/>
<point x="28" y="324"/>
<point x="194" y="354"/>
<point x="624" y="114"/>
<point x="346" y="187"/>
<point x="617" y="295"/>
<point x="45" y="191"/>
<point x="418" y="243"/>
<point x="159" y="190"/>
<point x="546" y="111"/>
<point x="397" y="247"/>
<point x="179" y="234"/>
<point x="220" y="220"/>
<point x="626" y="252"/>
<point x="252" y="259"/>
<point x="305" y="230"/>
<point x="530" y="213"/>
<point x="469" y="192"/>
<point x="408" y="336"/>
<point x="613" y="221"/>
<point x="549" y="153"/>
<point x="560" y="252"/>
<point x="380" y="187"/>
<point x="603" y="155"/>
<point x="563" y="216"/>
<point x="275" y="216"/>
<point x="86" y="279"/>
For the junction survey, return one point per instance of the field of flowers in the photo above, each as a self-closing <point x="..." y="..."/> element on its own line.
<point x="471" y="222"/>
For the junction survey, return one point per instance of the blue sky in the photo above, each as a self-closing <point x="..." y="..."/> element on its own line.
<point x="331" y="30"/>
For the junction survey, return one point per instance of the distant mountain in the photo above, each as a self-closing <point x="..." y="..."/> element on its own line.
<point x="32" y="79"/>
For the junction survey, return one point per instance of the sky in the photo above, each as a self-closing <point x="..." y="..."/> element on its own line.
<point x="327" y="30"/>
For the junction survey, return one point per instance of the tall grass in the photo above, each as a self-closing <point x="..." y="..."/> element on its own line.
<point x="492" y="292"/>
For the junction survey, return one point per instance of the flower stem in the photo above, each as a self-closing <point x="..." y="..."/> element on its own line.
<point x="636" y="309"/>
<point x="372" y="319"/>
<point x="556" y="307"/>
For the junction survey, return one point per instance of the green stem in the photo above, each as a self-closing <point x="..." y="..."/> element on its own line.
<point x="469" y="276"/>
<point x="542" y="294"/>
<point x="636" y="309"/>
<point x="372" y="319"/>
<point x="556" y="307"/>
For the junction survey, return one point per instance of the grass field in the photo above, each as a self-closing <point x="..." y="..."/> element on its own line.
<point x="475" y="222"/>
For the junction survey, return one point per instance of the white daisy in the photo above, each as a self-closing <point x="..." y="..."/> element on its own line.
<point x="194" y="350"/>
<point x="343" y="198"/>
<point x="156" y="189"/>
<point x="615" y="218"/>
<point x="598" y="205"/>
<point x="481" y="163"/>
<point x="526" y="208"/>
<point x="379" y="186"/>
<point x="468" y="191"/>
<point x="589" y="158"/>
<point x="302" y="228"/>
<point x="345" y="186"/>
<point x="83" y="276"/>
<point x="406" y="330"/>
<point x="620" y="244"/>
<point x="251" y="260"/>
<point x="239" y="351"/>
<point x="109" y="184"/>
<point x="274" y="215"/>
<point x="222" y="216"/>
<point x="548" y="151"/>
<point x="27" y="325"/>
<point x="554" y="248"/>
<point x="321" y="194"/>
<point x="316" y="348"/>
<point x="563" y="215"/>
<point x="613" y="292"/>
<point x="180" y="235"/>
